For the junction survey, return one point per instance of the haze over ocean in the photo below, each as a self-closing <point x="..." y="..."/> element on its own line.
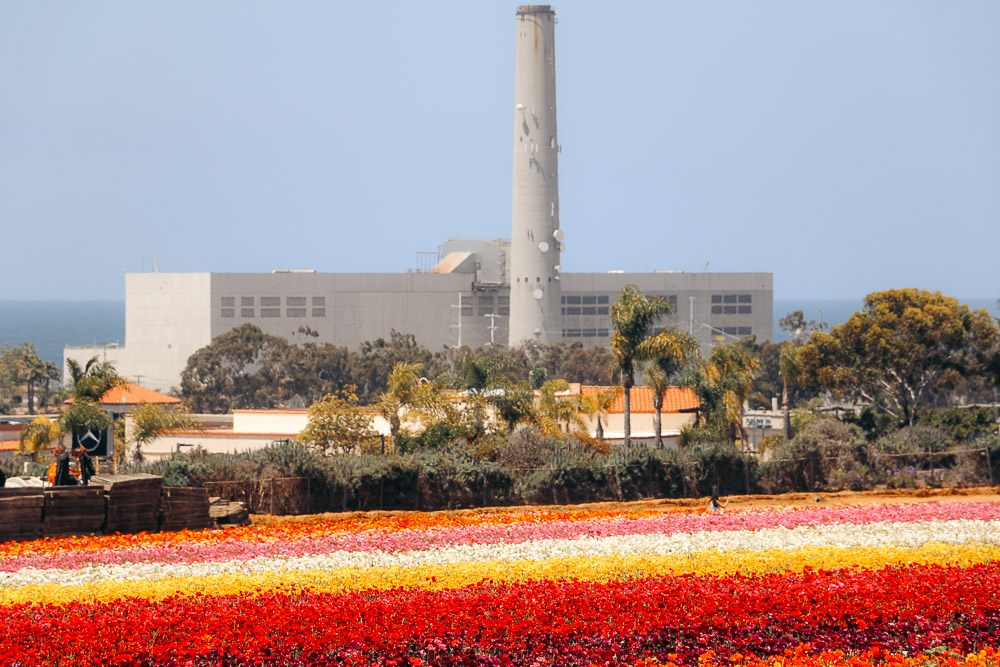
<point x="52" y="325"/>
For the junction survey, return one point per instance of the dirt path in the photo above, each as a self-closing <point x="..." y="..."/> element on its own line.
<point x="983" y="494"/>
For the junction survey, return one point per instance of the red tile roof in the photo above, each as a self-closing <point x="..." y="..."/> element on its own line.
<point x="133" y="394"/>
<point x="641" y="399"/>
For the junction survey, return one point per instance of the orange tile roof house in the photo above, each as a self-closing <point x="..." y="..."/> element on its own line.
<point x="119" y="401"/>
<point x="680" y="406"/>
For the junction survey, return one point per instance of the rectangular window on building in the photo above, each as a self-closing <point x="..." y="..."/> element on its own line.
<point x="590" y="299"/>
<point x="503" y="300"/>
<point x="602" y="298"/>
<point x="295" y="301"/>
<point x="228" y="301"/>
<point x="485" y="300"/>
<point x="573" y="310"/>
<point x="744" y="331"/>
<point x="745" y="298"/>
<point x="467" y="300"/>
<point x="246" y="312"/>
<point x="716" y="298"/>
<point x="503" y="311"/>
<point x="730" y="330"/>
<point x="589" y="310"/>
<point x="270" y="312"/>
<point x="572" y="333"/>
<point x="602" y="310"/>
<point x="467" y="311"/>
<point x="716" y="310"/>
<point x="590" y="333"/>
<point x="229" y="312"/>
<point x="246" y="301"/>
<point x="486" y="310"/>
<point x="745" y="310"/>
<point x="572" y="299"/>
<point x="729" y="310"/>
<point x="319" y="300"/>
<point x="270" y="302"/>
<point x="295" y="312"/>
<point x="729" y="298"/>
<point x="319" y="312"/>
<point x="602" y="333"/>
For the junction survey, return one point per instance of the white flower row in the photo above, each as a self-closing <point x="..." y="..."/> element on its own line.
<point x="835" y="535"/>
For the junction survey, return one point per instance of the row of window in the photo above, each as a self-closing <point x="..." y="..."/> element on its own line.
<point x="272" y="301"/>
<point x="596" y="298"/>
<point x="486" y="300"/>
<point x="731" y="298"/>
<point x="585" y="333"/>
<point x="272" y="312"/>
<point x="730" y="310"/>
<point x="585" y="310"/>
<point x="735" y="331"/>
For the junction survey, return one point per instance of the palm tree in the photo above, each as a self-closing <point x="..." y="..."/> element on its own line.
<point x="553" y="410"/>
<point x="789" y="368"/>
<point x="94" y="379"/>
<point x="597" y="405"/>
<point x="673" y="349"/>
<point x="404" y="380"/>
<point x="632" y="316"/>
<point x="731" y="369"/>
<point x="38" y="435"/>
<point x="421" y="398"/>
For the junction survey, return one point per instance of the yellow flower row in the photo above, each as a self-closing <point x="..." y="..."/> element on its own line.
<point x="714" y="563"/>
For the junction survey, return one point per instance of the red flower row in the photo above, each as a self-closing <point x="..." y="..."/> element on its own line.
<point x="570" y="623"/>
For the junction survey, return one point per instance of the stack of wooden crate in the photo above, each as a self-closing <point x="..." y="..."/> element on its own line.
<point x="229" y="513"/>
<point x="133" y="502"/>
<point x="73" y="510"/>
<point x="21" y="513"/>
<point x="184" y="508"/>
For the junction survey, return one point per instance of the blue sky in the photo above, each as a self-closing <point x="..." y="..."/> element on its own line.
<point x="846" y="146"/>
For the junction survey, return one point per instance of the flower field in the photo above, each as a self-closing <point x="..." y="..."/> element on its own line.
<point x="908" y="585"/>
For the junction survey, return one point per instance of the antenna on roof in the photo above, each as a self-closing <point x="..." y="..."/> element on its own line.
<point x="156" y="269"/>
<point x="703" y="270"/>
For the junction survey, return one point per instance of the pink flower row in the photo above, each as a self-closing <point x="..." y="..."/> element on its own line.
<point x="322" y="538"/>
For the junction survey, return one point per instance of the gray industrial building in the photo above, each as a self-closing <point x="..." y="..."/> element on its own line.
<point x="477" y="292"/>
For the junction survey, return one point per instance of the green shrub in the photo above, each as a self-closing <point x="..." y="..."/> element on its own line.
<point x="826" y="454"/>
<point x="717" y="465"/>
<point x="962" y="424"/>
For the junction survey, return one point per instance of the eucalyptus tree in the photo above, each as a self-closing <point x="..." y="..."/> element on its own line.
<point x="901" y="351"/>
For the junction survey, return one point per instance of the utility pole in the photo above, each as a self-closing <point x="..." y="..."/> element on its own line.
<point x="459" y="325"/>
<point x="691" y="317"/>
<point x="493" y="326"/>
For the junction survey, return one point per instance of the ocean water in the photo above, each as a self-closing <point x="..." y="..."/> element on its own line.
<point x="838" y="311"/>
<point x="52" y="325"/>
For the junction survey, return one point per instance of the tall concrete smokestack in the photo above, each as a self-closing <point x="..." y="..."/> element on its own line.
<point x="535" y="237"/>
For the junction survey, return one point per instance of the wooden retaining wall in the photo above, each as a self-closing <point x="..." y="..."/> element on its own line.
<point x="111" y="504"/>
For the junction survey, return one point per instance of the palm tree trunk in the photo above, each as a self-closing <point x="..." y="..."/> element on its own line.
<point x="787" y="409"/>
<point x="627" y="382"/>
<point x="658" y="406"/>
